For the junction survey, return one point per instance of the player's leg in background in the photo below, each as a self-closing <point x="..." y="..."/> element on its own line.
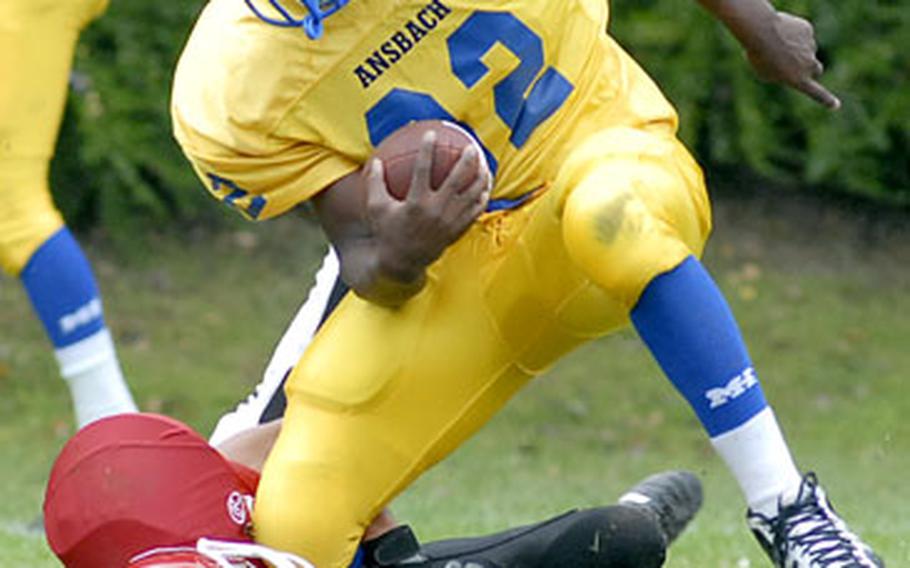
<point x="36" y="49"/>
<point x="636" y="219"/>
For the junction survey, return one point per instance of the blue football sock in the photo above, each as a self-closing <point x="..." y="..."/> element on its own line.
<point x="62" y="289"/>
<point x="689" y="328"/>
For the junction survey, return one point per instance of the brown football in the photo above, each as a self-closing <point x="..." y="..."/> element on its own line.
<point x="398" y="153"/>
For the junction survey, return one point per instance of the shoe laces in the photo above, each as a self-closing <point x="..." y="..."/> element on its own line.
<point x="811" y="526"/>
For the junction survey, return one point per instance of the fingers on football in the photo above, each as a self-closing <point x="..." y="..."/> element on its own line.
<point x="479" y="204"/>
<point x="466" y="170"/>
<point x="378" y="195"/>
<point x="464" y="207"/>
<point x="422" y="179"/>
<point x="478" y="193"/>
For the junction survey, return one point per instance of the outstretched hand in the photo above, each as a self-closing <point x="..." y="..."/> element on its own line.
<point x="786" y="53"/>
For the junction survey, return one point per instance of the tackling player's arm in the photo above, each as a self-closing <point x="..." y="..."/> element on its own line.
<point x="385" y="245"/>
<point x="780" y="46"/>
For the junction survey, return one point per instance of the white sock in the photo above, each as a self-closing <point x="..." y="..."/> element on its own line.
<point x="92" y="371"/>
<point x="760" y="460"/>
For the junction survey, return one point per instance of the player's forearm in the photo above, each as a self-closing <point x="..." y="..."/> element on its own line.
<point x="251" y="447"/>
<point x="380" y="275"/>
<point x="748" y="20"/>
<point x="378" y="260"/>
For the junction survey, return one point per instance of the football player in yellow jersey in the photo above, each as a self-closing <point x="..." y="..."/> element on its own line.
<point x="37" y="39"/>
<point x="596" y="219"/>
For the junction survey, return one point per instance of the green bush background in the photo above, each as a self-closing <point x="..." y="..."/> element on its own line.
<point x="117" y="165"/>
<point x="732" y="119"/>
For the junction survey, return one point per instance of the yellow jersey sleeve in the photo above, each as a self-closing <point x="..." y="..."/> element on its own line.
<point x="233" y="87"/>
<point x="261" y="186"/>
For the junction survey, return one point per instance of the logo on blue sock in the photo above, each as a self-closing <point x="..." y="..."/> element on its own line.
<point x="735" y="388"/>
<point x="83" y="315"/>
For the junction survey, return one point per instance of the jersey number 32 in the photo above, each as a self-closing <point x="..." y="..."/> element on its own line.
<point x="522" y="113"/>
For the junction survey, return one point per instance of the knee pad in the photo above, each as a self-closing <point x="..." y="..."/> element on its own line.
<point x="633" y="207"/>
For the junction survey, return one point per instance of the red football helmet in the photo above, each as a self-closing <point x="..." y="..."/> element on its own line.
<point x="132" y="483"/>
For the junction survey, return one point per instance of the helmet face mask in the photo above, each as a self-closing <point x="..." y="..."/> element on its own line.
<point x="172" y="558"/>
<point x="318" y="10"/>
<point x="212" y="553"/>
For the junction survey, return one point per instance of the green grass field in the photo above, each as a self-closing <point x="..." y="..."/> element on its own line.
<point x="823" y="297"/>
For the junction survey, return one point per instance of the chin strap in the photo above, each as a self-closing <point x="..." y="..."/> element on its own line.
<point x="230" y="554"/>
<point x="397" y="547"/>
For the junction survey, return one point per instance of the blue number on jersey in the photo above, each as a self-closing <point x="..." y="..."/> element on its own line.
<point x="476" y="37"/>
<point x="401" y="106"/>
<point x="229" y="193"/>
<point x="467" y="45"/>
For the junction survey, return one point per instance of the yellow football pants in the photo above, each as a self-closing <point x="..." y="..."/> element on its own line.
<point x="37" y="39"/>
<point x="381" y="395"/>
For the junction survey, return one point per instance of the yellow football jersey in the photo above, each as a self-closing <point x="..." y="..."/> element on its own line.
<point x="269" y="117"/>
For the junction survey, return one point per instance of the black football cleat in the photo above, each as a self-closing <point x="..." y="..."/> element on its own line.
<point x="671" y="497"/>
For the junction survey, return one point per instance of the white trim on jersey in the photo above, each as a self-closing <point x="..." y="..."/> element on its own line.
<point x="288" y="351"/>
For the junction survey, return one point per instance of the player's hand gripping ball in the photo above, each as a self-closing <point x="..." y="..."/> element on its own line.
<point x="399" y="151"/>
